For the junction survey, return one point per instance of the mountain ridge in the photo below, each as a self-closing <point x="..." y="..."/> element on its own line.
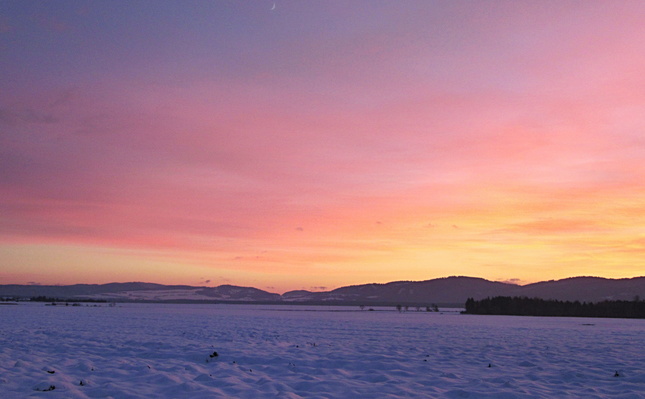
<point x="444" y="290"/>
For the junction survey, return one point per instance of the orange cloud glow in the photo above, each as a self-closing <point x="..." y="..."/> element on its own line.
<point x="321" y="145"/>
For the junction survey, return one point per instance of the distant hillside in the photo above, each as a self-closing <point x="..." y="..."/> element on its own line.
<point x="140" y="292"/>
<point x="443" y="290"/>
<point x="449" y="290"/>
<point x="587" y="289"/>
<point x="79" y="290"/>
<point x="231" y="292"/>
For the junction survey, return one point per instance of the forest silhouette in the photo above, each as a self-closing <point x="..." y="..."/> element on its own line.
<point x="523" y="306"/>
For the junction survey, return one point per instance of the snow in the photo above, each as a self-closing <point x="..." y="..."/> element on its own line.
<point x="167" y="351"/>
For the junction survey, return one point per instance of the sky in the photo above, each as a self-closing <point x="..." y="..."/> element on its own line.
<point x="316" y="144"/>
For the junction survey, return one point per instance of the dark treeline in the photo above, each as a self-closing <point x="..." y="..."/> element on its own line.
<point x="523" y="306"/>
<point x="51" y="299"/>
<point x="9" y="299"/>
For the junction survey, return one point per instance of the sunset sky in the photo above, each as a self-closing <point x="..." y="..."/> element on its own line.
<point x="315" y="144"/>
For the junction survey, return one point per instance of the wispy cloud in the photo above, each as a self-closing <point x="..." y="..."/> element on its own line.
<point x="5" y="26"/>
<point x="27" y="116"/>
<point x="51" y="23"/>
<point x="556" y="226"/>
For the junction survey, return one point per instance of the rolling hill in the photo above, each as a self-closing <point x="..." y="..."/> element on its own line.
<point x="449" y="290"/>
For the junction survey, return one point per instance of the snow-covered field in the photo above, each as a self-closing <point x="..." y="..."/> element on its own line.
<point x="164" y="351"/>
